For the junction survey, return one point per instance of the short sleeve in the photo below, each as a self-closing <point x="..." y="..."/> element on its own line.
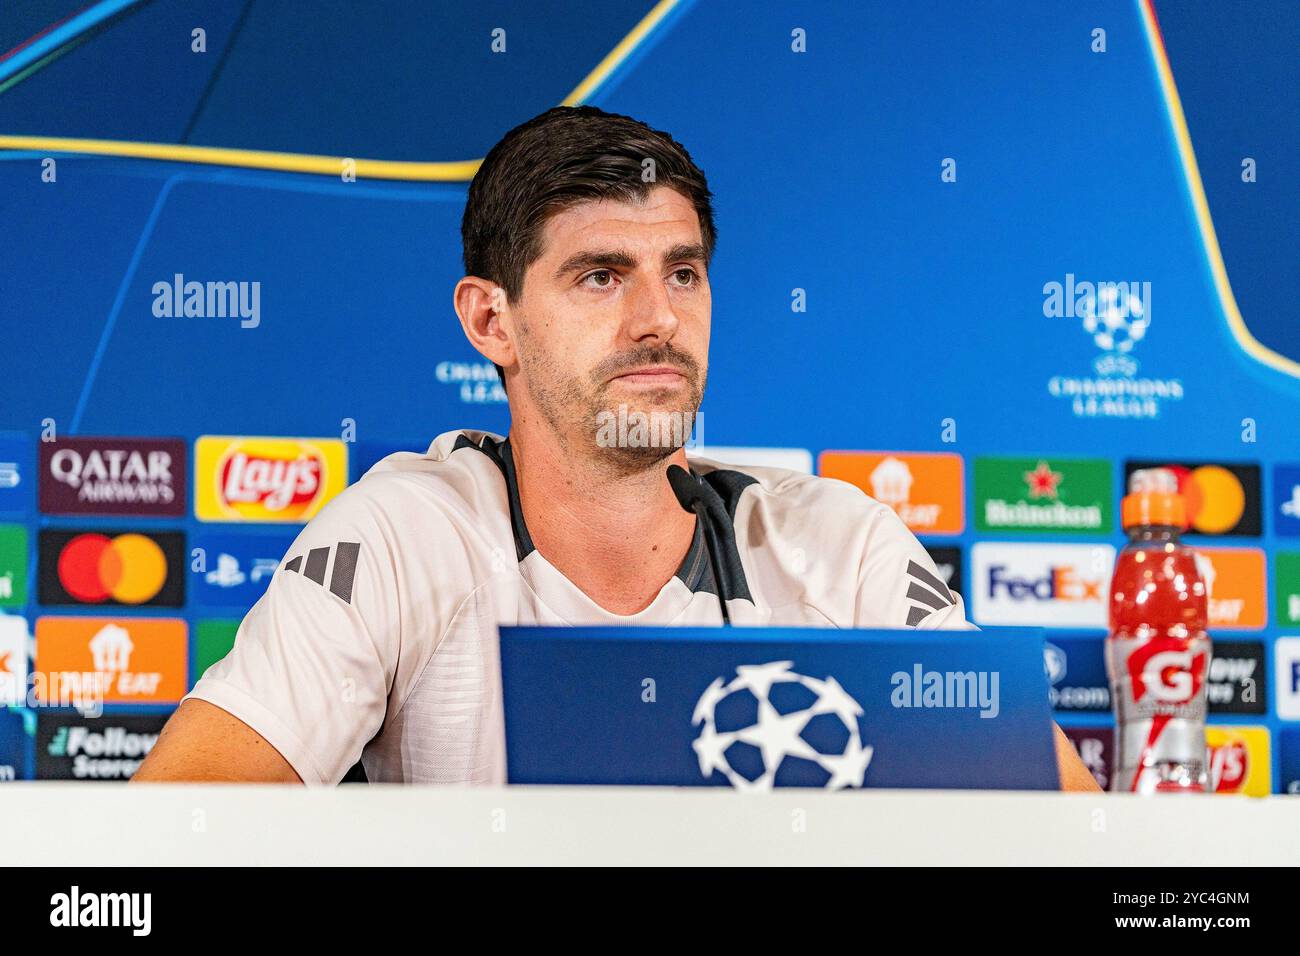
<point x="314" y="659"/>
<point x="898" y="583"/>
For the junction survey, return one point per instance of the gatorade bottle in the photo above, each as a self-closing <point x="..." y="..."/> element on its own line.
<point x="1157" y="654"/>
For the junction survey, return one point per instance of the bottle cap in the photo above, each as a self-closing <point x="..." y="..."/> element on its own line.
<point x="1152" y="499"/>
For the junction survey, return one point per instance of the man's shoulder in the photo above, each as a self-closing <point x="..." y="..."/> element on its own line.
<point x="785" y="492"/>
<point x="413" y="495"/>
<point x="451" y="454"/>
<point x="780" y="510"/>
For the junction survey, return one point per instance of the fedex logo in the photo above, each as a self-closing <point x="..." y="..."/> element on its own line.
<point x="1058" y="584"/>
<point x="1287" y="683"/>
<point x="1043" y="585"/>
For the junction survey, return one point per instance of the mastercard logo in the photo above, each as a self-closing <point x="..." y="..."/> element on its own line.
<point x="129" y="568"/>
<point x="104" y="567"/>
<point x="1215" y="498"/>
<point x="1220" y="499"/>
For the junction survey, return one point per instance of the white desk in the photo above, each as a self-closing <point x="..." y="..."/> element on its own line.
<point x="105" y="824"/>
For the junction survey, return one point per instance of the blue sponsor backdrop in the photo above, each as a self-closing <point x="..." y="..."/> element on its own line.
<point x="15" y="746"/>
<point x="1076" y="670"/>
<point x="925" y="298"/>
<point x="1289" y="760"/>
<point x="17" y="473"/>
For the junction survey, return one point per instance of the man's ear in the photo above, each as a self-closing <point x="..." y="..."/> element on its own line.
<point x="484" y="315"/>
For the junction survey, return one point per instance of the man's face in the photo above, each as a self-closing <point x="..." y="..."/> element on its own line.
<point x="613" y="318"/>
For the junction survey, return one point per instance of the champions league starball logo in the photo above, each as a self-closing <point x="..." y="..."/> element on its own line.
<point x="1116" y="316"/>
<point x="1116" y="320"/>
<point x="769" y="725"/>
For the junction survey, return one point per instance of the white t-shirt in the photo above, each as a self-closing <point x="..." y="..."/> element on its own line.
<point x="377" y="637"/>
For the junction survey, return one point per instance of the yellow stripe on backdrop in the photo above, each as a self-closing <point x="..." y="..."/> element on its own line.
<point x="453" y="171"/>
<point x="1209" y="240"/>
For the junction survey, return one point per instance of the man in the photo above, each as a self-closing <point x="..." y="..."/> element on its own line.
<point x="587" y="239"/>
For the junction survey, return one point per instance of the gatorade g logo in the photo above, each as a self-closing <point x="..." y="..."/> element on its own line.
<point x="267" y="479"/>
<point x="1166" y="669"/>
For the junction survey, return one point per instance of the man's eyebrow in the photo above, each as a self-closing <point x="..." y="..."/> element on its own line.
<point x="596" y="259"/>
<point x="621" y="259"/>
<point x="686" y="252"/>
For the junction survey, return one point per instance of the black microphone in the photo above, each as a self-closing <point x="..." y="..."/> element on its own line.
<point x="690" y="495"/>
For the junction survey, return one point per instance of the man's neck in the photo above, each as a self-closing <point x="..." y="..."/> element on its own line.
<point x="619" y="536"/>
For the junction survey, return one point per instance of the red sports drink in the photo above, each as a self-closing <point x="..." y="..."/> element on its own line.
<point x="1157" y="654"/>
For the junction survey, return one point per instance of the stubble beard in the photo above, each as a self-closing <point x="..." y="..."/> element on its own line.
<point x="583" y="415"/>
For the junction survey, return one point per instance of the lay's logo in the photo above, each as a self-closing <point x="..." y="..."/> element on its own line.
<point x="266" y="479"/>
<point x="1240" y="761"/>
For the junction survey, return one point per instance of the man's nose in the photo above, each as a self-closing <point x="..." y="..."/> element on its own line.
<point x="650" y="314"/>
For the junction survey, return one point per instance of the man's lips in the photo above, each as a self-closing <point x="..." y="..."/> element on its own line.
<point x="652" y="375"/>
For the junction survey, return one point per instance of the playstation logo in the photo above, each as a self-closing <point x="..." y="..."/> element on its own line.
<point x="1286" y="495"/>
<point x="1291" y="507"/>
<point x="227" y="573"/>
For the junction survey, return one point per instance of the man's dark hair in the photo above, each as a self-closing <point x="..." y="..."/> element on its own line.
<point x="566" y="156"/>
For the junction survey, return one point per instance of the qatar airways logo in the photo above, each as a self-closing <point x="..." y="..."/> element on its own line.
<point x="113" y="476"/>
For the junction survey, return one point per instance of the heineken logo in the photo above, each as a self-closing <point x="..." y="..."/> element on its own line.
<point x="1042" y="481"/>
<point x="1037" y="494"/>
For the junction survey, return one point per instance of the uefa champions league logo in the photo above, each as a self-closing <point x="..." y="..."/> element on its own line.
<point x="1116" y="316"/>
<point x="1116" y="320"/>
<point x="799" y="720"/>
